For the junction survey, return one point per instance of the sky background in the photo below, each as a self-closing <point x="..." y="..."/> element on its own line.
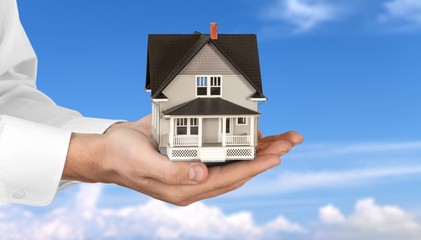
<point x="345" y="74"/>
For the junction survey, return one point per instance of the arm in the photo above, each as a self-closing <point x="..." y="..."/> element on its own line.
<point x="34" y="131"/>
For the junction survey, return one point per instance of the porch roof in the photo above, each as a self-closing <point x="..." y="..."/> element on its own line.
<point x="209" y="106"/>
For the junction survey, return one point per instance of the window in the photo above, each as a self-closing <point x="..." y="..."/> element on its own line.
<point x="194" y="127"/>
<point x="181" y="126"/>
<point x="187" y="126"/>
<point x="215" y="87"/>
<point x="202" y="86"/>
<point x="208" y="86"/>
<point x="241" y="121"/>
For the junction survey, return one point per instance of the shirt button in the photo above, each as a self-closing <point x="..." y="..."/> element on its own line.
<point x="19" y="194"/>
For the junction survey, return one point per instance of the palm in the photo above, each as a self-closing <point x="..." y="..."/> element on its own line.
<point x="154" y="175"/>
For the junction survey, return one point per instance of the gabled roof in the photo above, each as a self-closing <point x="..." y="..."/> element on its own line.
<point x="168" y="54"/>
<point x="209" y="106"/>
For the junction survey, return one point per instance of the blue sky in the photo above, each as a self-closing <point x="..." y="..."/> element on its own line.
<point x="345" y="75"/>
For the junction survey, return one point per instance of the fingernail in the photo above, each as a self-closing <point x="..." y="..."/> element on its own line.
<point x="196" y="173"/>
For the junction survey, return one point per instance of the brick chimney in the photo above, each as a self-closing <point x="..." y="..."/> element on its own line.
<point x="213" y="30"/>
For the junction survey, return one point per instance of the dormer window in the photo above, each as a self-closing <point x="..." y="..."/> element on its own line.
<point x="208" y="86"/>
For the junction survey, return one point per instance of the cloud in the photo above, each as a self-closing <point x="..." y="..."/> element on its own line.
<point x="331" y="149"/>
<point x="356" y="164"/>
<point x="368" y="221"/>
<point x="82" y="218"/>
<point x="301" y="181"/>
<point x="303" y="15"/>
<point x="405" y="13"/>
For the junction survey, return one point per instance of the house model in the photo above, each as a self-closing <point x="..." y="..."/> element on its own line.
<point x="205" y="91"/>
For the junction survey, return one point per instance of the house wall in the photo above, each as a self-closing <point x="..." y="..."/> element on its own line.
<point x="209" y="61"/>
<point x="241" y="129"/>
<point x="164" y="131"/>
<point x="210" y="130"/>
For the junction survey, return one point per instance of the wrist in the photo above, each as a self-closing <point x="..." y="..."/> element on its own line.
<point x="83" y="161"/>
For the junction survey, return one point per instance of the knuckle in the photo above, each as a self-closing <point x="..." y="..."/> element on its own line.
<point x="284" y="145"/>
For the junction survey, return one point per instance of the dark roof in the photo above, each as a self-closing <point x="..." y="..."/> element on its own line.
<point x="209" y="106"/>
<point x="257" y="95"/>
<point x="161" y="96"/>
<point x="168" y="54"/>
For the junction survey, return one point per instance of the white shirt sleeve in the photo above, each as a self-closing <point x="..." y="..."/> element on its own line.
<point x="32" y="158"/>
<point x="34" y="131"/>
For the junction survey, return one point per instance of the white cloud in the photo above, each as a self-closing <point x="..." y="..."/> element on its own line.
<point x="331" y="215"/>
<point x="407" y="12"/>
<point x="81" y="218"/>
<point x="331" y="149"/>
<point x="300" y="181"/>
<point x="303" y="15"/>
<point x="368" y="221"/>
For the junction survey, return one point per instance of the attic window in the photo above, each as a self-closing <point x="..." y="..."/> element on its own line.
<point x="209" y="86"/>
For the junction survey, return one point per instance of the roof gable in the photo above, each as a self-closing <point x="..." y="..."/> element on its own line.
<point x="209" y="61"/>
<point x="168" y="54"/>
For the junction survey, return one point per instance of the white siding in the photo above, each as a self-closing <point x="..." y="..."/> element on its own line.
<point x="209" y="61"/>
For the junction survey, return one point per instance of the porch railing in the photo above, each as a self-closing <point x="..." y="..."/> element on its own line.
<point x="181" y="141"/>
<point x="237" y="140"/>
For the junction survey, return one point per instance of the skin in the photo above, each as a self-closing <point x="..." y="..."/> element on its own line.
<point x="127" y="155"/>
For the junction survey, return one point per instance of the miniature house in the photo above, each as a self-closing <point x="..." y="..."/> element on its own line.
<point x="205" y="92"/>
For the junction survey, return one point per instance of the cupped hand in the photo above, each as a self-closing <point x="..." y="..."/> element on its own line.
<point x="127" y="155"/>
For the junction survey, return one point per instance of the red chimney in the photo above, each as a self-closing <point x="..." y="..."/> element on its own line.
<point x="213" y="30"/>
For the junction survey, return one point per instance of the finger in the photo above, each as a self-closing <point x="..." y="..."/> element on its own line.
<point x="278" y="147"/>
<point x="173" y="173"/>
<point x="222" y="177"/>
<point x="293" y="137"/>
<point x="213" y="193"/>
<point x="223" y="190"/>
<point x="220" y="180"/>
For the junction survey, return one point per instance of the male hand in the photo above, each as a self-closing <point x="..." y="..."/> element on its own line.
<point x="127" y="155"/>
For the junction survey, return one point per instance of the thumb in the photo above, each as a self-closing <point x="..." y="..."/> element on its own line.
<point x="177" y="173"/>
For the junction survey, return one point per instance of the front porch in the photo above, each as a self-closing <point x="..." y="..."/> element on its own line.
<point x="211" y="131"/>
<point x="211" y="139"/>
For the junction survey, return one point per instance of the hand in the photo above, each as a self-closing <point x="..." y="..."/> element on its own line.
<point x="127" y="155"/>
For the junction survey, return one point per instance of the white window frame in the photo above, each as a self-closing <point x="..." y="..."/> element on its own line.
<point x="242" y="124"/>
<point x="188" y="123"/>
<point x="209" y="85"/>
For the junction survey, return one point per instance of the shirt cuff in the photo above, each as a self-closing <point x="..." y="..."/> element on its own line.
<point x="32" y="158"/>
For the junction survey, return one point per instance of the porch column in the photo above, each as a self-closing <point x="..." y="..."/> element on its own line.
<point x="171" y="134"/>
<point x="200" y="132"/>
<point x="252" y="129"/>
<point x="224" y="131"/>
